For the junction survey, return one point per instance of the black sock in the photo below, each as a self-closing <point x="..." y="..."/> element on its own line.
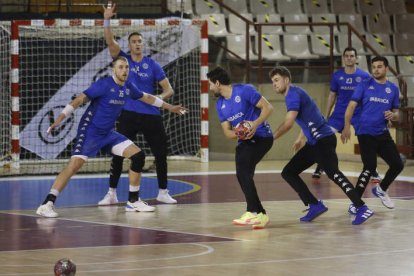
<point x="133" y="196"/>
<point x="49" y="197"/>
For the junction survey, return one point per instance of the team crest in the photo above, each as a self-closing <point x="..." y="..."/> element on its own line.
<point x="358" y="79"/>
<point x="388" y="90"/>
<point x="145" y="66"/>
<point x="127" y="91"/>
<point x="237" y="99"/>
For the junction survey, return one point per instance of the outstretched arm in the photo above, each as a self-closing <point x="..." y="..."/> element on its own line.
<point x="155" y="101"/>
<point x="286" y="125"/>
<point x="79" y="100"/>
<point x="113" y="46"/>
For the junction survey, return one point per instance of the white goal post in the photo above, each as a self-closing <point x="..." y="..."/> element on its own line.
<point x="52" y="61"/>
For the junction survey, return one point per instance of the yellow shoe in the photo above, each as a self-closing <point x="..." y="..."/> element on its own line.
<point x="246" y="219"/>
<point x="261" y="221"/>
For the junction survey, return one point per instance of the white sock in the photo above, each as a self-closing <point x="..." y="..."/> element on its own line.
<point x="133" y="188"/>
<point x="112" y="190"/>
<point x="54" y="192"/>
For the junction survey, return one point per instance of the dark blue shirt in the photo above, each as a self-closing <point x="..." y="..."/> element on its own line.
<point x="374" y="99"/>
<point x="242" y="106"/>
<point x="146" y="75"/>
<point x="309" y="117"/>
<point x="107" y="100"/>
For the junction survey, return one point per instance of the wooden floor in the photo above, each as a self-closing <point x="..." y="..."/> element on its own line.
<point x="196" y="237"/>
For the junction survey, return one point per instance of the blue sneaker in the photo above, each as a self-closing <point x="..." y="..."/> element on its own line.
<point x="314" y="211"/>
<point x="352" y="210"/>
<point x="363" y="213"/>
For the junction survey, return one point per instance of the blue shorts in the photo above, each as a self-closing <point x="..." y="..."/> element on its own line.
<point x="89" y="142"/>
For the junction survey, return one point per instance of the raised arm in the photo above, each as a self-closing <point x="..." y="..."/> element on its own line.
<point x="113" y="46"/>
<point x="79" y="100"/>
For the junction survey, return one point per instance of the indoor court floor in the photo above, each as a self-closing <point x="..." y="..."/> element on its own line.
<point x="196" y="236"/>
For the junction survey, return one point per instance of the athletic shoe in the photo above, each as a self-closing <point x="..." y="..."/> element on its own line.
<point x="47" y="210"/>
<point x="109" y="199"/>
<point x="261" y="221"/>
<point x="376" y="179"/>
<point x="385" y="198"/>
<point x="139" y="206"/>
<point x="164" y="196"/>
<point x="363" y="213"/>
<point x="352" y="210"/>
<point x="246" y="219"/>
<point x="317" y="174"/>
<point x="314" y="211"/>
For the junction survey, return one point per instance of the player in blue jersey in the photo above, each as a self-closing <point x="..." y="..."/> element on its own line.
<point x="107" y="97"/>
<point x="237" y="103"/>
<point x="379" y="102"/>
<point x="342" y="86"/>
<point x="139" y="117"/>
<point x="319" y="148"/>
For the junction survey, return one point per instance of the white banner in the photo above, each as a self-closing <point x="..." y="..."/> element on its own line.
<point x="164" y="49"/>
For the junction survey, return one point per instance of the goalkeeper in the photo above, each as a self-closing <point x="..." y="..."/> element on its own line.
<point x="138" y="117"/>
<point x="237" y="103"/>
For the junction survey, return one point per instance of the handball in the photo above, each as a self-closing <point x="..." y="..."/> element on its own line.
<point x="242" y="129"/>
<point x="65" y="267"/>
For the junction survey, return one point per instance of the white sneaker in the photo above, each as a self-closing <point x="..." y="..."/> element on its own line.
<point x="164" y="196"/>
<point x="385" y="198"/>
<point x="47" y="210"/>
<point x="139" y="206"/>
<point x="109" y="199"/>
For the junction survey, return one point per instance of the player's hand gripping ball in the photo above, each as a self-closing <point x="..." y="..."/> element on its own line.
<point x="242" y="129"/>
<point x="65" y="267"/>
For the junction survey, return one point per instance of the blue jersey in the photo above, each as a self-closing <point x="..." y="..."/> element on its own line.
<point x="375" y="98"/>
<point x="242" y="106"/>
<point x="309" y="117"/>
<point x="343" y="85"/>
<point x="145" y="74"/>
<point x="107" y="100"/>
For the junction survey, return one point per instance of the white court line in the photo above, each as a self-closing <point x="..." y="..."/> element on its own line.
<point x="330" y="257"/>
<point x="105" y="176"/>
<point x="208" y="250"/>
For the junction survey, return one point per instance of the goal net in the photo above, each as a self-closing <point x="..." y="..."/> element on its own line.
<point x="59" y="59"/>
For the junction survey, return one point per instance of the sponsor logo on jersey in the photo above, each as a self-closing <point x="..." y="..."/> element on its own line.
<point x="378" y="100"/>
<point x="235" y="116"/>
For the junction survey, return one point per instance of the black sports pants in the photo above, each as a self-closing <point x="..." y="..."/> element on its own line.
<point x="248" y="154"/>
<point x="151" y="126"/>
<point x="323" y="153"/>
<point x="384" y="146"/>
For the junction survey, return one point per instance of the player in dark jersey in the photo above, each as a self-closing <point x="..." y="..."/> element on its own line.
<point x="379" y="102"/>
<point x="237" y="103"/>
<point x="319" y="148"/>
<point x="342" y="86"/>
<point x="107" y="97"/>
<point x="139" y="117"/>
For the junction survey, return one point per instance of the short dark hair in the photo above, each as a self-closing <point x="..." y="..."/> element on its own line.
<point x="119" y="58"/>
<point x="220" y="75"/>
<point x="348" y="49"/>
<point x="380" y="58"/>
<point x="282" y="71"/>
<point x="134" y="33"/>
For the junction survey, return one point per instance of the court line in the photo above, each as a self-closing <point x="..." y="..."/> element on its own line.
<point x="331" y="257"/>
<point x="208" y="250"/>
<point x="87" y="176"/>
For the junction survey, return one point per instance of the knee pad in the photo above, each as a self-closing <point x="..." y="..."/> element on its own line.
<point x="137" y="162"/>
